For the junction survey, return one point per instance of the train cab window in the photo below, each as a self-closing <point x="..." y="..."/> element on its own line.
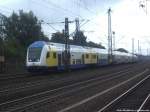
<point x="47" y="55"/>
<point x="54" y="55"/>
<point x="34" y="54"/>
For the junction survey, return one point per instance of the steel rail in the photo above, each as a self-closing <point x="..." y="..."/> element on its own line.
<point x="37" y="84"/>
<point x="101" y="93"/>
<point x="142" y="105"/>
<point x="124" y="94"/>
<point x="57" y="89"/>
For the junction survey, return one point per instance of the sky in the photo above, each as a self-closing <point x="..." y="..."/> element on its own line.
<point x="129" y="19"/>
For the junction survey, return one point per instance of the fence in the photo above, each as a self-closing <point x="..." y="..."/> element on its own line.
<point x="12" y="66"/>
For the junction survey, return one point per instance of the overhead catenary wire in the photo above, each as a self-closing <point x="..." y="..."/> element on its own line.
<point x="53" y="27"/>
<point x="50" y="7"/>
<point x="71" y="34"/>
<point x="84" y="7"/>
<point x="62" y="8"/>
<point x="53" y="8"/>
<point x="87" y="9"/>
<point x="45" y="5"/>
<point x="84" y="23"/>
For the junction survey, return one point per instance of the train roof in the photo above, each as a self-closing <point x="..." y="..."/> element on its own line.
<point x="60" y="46"/>
<point x="76" y="48"/>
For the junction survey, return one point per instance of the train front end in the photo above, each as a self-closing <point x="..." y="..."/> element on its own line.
<point x="35" y="60"/>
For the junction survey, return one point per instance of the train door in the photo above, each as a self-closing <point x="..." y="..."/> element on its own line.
<point x="82" y="58"/>
<point x="59" y="60"/>
<point x="97" y="59"/>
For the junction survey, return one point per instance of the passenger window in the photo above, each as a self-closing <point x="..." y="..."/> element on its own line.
<point x="87" y="56"/>
<point x="94" y="56"/>
<point x="74" y="61"/>
<point x="47" y="55"/>
<point x="54" y="55"/>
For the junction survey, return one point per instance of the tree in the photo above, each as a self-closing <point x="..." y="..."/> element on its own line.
<point x="21" y="30"/>
<point x="92" y="44"/>
<point x="58" y="37"/>
<point x="79" y="38"/>
<point x="1" y="46"/>
<point x="25" y="28"/>
<point x="122" y="50"/>
<point x="2" y="18"/>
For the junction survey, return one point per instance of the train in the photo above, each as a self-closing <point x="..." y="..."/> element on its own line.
<point x="49" y="56"/>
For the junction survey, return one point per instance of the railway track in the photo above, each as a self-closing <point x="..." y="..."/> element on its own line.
<point x="43" y="94"/>
<point x="5" y="77"/>
<point x="137" y="98"/>
<point x="45" y="97"/>
<point x="145" y="105"/>
<point x="10" y="77"/>
<point x="16" y="88"/>
<point x="98" y="102"/>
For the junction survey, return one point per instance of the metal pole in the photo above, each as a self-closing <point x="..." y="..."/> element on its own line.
<point x="114" y="40"/>
<point x="77" y="24"/>
<point x="147" y="51"/>
<point x="138" y="47"/>
<point x="77" y="29"/>
<point x="132" y="49"/>
<point x="67" y="47"/>
<point x="140" y="50"/>
<point x="109" y="37"/>
<point x="146" y="7"/>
